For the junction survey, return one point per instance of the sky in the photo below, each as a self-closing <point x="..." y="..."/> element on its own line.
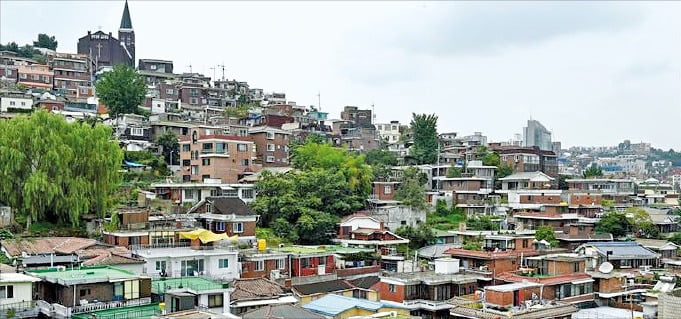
<point x="594" y="73"/>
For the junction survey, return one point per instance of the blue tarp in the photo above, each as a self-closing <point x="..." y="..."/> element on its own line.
<point x="133" y="164"/>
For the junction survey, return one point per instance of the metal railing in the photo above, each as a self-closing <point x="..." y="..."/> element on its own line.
<point x="109" y="305"/>
<point x="19" y="306"/>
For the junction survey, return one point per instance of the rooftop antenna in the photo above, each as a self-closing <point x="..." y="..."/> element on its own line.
<point x="213" y="68"/>
<point x="190" y="68"/>
<point x="99" y="28"/>
<point x="223" y="70"/>
<point x="319" y="100"/>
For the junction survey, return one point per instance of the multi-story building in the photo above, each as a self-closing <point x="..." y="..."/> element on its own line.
<point x="226" y="215"/>
<point x="426" y="293"/>
<point x="272" y="145"/>
<point x="209" y="154"/>
<point x="36" y="76"/>
<point x="180" y="260"/>
<point x="528" y="159"/>
<point x="535" y="134"/>
<point x="106" y="50"/>
<point x="195" y="192"/>
<point x="389" y="132"/>
<point x="72" y="73"/>
<point x="356" y="115"/>
<point x="619" y="191"/>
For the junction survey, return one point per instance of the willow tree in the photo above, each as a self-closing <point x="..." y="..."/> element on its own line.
<point x="424" y="130"/>
<point x="57" y="171"/>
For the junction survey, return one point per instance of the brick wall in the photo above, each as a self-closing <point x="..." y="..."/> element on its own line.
<point x="386" y="294"/>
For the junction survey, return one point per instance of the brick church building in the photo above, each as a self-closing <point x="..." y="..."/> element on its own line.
<point x="106" y="50"/>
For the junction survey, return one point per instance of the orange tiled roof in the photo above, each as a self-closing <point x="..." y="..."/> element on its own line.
<point x="552" y="280"/>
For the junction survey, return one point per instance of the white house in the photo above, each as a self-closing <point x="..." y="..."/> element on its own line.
<point x="16" y="291"/>
<point x="212" y="262"/>
<point x="15" y="102"/>
<point x="353" y="222"/>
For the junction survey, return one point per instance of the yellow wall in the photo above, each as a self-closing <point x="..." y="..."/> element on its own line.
<point x="371" y="295"/>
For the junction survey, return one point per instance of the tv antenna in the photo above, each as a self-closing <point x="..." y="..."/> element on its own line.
<point x="223" y="70"/>
<point x="190" y="68"/>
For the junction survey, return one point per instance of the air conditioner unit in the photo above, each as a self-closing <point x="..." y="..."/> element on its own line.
<point x="275" y="274"/>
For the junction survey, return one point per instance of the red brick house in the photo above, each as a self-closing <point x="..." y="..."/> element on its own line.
<point x="226" y="215"/>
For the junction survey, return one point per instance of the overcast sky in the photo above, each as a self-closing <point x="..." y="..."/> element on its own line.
<point x="593" y="73"/>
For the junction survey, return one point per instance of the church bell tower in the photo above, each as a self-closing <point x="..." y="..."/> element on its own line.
<point x="127" y="35"/>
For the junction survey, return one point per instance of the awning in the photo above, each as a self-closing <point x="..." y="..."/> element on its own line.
<point x="205" y="236"/>
<point x="583" y="281"/>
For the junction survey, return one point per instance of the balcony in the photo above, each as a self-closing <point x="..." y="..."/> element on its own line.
<point x="58" y="311"/>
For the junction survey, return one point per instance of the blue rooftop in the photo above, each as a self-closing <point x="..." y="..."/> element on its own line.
<point x="622" y="249"/>
<point x="333" y="305"/>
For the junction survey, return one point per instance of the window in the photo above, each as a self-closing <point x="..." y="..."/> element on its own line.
<point x="223" y="263"/>
<point x="193" y="100"/>
<point x="259" y="265"/>
<point x="12" y="103"/>
<point x="137" y="131"/>
<point x="191" y="267"/>
<point x="576" y="267"/>
<point x="241" y="147"/>
<point x="388" y="189"/>
<point x="244" y="162"/>
<point x="160" y="265"/>
<point x="170" y="92"/>
<point x="525" y="243"/>
<point x="391" y="288"/>
<point x="186" y="147"/>
<point x="207" y="147"/>
<point x="269" y="159"/>
<point x="231" y="193"/>
<point x="322" y="260"/>
<point x="220" y="226"/>
<point x="186" y="162"/>
<point x="270" y="135"/>
<point x="205" y="162"/>
<point x="195" y="170"/>
<point x="361" y="294"/>
<point x="270" y="147"/>
<point x="304" y="262"/>
<point x="152" y="67"/>
<point x="131" y="289"/>
<point x="247" y="193"/>
<point x="209" y="208"/>
<point x="85" y="292"/>
<point x="281" y="263"/>
<point x="214" y="300"/>
<point x="238" y="227"/>
<point x="6" y="292"/>
<point x="220" y="148"/>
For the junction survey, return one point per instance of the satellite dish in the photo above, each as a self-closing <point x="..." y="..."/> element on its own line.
<point x="606" y="267"/>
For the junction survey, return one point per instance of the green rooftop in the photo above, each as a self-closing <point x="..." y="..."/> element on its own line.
<point x="321" y="249"/>
<point x="160" y="286"/>
<point x="79" y="275"/>
<point x="137" y="312"/>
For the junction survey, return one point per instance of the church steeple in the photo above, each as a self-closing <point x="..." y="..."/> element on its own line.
<point x="126" y="22"/>
<point x="127" y="35"/>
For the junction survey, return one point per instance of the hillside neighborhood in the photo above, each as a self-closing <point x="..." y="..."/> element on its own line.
<point x="131" y="190"/>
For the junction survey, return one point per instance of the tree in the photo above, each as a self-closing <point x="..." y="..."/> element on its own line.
<point x="284" y="229"/>
<point x="316" y="227"/>
<point x="592" y="171"/>
<point x="424" y="130"/>
<point x="441" y="207"/>
<point x="170" y="145"/>
<point x="122" y="90"/>
<point x="640" y="220"/>
<point x="419" y="236"/>
<point x="676" y="238"/>
<point x="562" y="182"/>
<point x="240" y="110"/>
<point x="482" y="222"/>
<point x="411" y="191"/>
<point x="453" y="171"/>
<point x="45" y="41"/>
<point x="381" y="162"/>
<point x="615" y="223"/>
<point x="56" y="171"/>
<point x="546" y="233"/>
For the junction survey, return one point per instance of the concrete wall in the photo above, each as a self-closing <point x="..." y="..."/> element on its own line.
<point x="23" y="291"/>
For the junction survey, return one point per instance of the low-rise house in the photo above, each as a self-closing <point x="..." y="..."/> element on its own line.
<point x="188" y="293"/>
<point x="312" y="291"/>
<point x="270" y="264"/>
<point x="619" y="191"/>
<point x="336" y="306"/>
<point x="310" y="261"/>
<point x="226" y="215"/>
<point x="576" y="234"/>
<point x="426" y="293"/>
<point x="530" y="309"/>
<point x="67" y="292"/>
<point x="281" y="311"/>
<point x="572" y="287"/>
<point x="622" y="255"/>
<point x="667" y="250"/>
<point x="180" y="260"/>
<point x="365" y="231"/>
<point x="46" y="251"/>
<point x="254" y="293"/>
<point x="487" y="264"/>
<point x="195" y="192"/>
<point x="16" y="293"/>
<point x="15" y="102"/>
<point x="142" y="226"/>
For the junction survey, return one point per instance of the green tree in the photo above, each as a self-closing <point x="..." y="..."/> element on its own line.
<point x="419" y="236"/>
<point x="615" y="223"/>
<point x="282" y="228"/>
<point x="424" y="130"/>
<point x="676" y="238"/>
<point x="411" y="191"/>
<point x="240" y="110"/>
<point x="546" y="233"/>
<point x="454" y="171"/>
<point x="441" y="207"/>
<point x="482" y="222"/>
<point x="640" y="220"/>
<point x="122" y="90"/>
<point x="592" y="172"/>
<point x="381" y="162"/>
<point x="54" y="171"/>
<point x="562" y="182"/>
<point x="169" y="145"/>
<point x="490" y="158"/>
<point x="45" y="41"/>
<point x="316" y="227"/>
